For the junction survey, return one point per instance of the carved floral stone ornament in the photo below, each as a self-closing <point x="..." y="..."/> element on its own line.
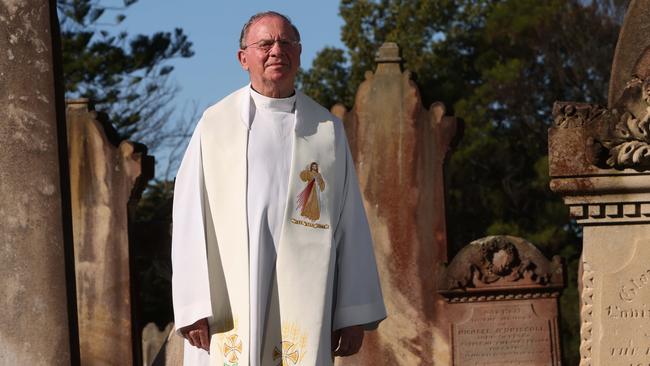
<point x="500" y="257"/>
<point x="499" y="263"/>
<point x="619" y="138"/>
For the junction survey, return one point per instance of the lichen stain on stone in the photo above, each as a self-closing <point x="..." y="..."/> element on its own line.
<point x="39" y="45"/>
<point x="12" y="350"/>
<point x="401" y="308"/>
<point x="43" y="67"/>
<point x="25" y="31"/>
<point x="24" y="122"/>
<point x="19" y="217"/>
<point x="39" y="305"/>
<point x="48" y="188"/>
<point x="12" y="6"/>
<point x="42" y="97"/>
<point x="14" y="291"/>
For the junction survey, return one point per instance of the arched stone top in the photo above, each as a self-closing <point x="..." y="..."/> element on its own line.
<point x="632" y="54"/>
<point x="502" y="263"/>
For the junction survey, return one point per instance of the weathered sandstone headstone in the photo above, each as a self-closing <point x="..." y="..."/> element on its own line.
<point x="399" y="148"/>
<point x="106" y="176"/>
<point x="599" y="161"/>
<point x="153" y="340"/>
<point x="36" y="321"/>
<point x="171" y="352"/>
<point x="503" y="304"/>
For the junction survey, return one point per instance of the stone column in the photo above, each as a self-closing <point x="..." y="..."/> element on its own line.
<point x="399" y="148"/>
<point x="599" y="161"/>
<point x="35" y="327"/>
<point x="105" y="176"/>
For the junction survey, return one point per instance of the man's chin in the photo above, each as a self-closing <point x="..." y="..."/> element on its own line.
<point x="278" y="77"/>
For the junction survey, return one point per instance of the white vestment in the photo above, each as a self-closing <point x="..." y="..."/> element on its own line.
<point x="270" y="143"/>
<point x="326" y="276"/>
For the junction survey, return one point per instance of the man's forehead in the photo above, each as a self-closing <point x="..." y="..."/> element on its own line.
<point x="263" y="22"/>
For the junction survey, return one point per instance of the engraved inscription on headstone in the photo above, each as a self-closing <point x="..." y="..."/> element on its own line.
<point x="625" y="312"/>
<point x="502" y="304"/>
<point x="504" y="333"/>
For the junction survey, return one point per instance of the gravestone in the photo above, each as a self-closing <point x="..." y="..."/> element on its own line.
<point x="171" y="352"/>
<point x="37" y="321"/>
<point x="399" y="149"/>
<point x="153" y="340"/>
<point x="599" y="162"/>
<point x="107" y="177"/>
<point x="503" y="304"/>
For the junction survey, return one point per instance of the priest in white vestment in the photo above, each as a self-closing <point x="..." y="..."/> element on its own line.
<point x="271" y="251"/>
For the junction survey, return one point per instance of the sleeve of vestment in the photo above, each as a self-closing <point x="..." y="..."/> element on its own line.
<point x="190" y="286"/>
<point x="358" y="293"/>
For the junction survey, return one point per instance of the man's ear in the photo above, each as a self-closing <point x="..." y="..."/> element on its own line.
<point x="299" y="53"/>
<point x="243" y="61"/>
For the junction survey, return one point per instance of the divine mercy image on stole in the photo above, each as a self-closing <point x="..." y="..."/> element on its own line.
<point x="309" y="198"/>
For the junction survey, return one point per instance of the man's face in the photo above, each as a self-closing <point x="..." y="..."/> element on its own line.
<point x="272" y="72"/>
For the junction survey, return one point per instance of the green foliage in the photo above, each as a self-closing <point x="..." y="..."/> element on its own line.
<point x="125" y="76"/>
<point x="327" y="80"/>
<point x="156" y="202"/>
<point x="499" y="65"/>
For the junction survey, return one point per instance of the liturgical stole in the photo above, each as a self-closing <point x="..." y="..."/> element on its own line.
<point x="299" y="320"/>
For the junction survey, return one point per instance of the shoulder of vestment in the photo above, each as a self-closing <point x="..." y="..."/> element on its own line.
<point x="229" y="104"/>
<point x="316" y="109"/>
<point x="319" y="114"/>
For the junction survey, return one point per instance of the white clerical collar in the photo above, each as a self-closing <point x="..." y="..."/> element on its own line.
<point x="267" y="104"/>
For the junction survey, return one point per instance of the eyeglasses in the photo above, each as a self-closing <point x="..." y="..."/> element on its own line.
<point x="266" y="44"/>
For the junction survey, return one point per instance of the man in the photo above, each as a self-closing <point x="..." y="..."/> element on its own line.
<point x="259" y="277"/>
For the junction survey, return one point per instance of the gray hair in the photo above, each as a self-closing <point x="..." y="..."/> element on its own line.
<point x="258" y="16"/>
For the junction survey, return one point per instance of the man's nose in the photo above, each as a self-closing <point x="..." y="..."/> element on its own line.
<point x="276" y="49"/>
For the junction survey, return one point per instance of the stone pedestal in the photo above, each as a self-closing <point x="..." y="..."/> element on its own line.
<point x="614" y="209"/>
<point x="106" y="175"/>
<point x="35" y="326"/>
<point x="599" y="162"/>
<point x="399" y="148"/>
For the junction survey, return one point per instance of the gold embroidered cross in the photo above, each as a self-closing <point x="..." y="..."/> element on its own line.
<point x="288" y="353"/>
<point x="232" y="347"/>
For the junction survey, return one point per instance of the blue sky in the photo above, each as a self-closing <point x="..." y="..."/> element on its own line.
<point x="214" y="26"/>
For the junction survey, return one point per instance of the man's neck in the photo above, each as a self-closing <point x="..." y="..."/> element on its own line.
<point x="274" y="92"/>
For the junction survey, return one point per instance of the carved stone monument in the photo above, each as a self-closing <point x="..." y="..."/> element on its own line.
<point x="503" y="308"/>
<point x="599" y="161"/>
<point x="399" y="148"/>
<point x="37" y="322"/>
<point x="106" y="177"/>
<point x="153" y="339"/>
<point x="171" y="352"/>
